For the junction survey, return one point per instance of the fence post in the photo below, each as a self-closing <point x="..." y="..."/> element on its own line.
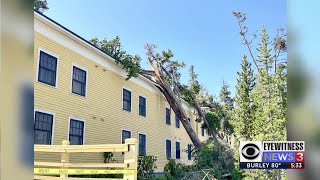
<point x="65" y="156"/>
<point x="131" y="158"/>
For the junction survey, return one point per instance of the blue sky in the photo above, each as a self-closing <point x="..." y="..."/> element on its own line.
<point x="201" y="33"/>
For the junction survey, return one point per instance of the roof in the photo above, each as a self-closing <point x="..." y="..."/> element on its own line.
<point x="145" y="78"/>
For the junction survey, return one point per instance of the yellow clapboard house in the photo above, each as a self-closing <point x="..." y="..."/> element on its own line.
<point x="81" y="95"/>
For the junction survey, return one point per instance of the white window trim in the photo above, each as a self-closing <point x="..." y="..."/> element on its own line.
<point x="84" y="128"/>
<point x="38" y="66"/>
<point x="165" y="147"/>
<point x="87" y="75"/>
<point x="53" y="120"/>
<point x="139" y="141"/>
<point x="166" y="115"/>
<point x="176" y="149"/>
<point x="139" y="106"/>
<point x="130" y="100"/>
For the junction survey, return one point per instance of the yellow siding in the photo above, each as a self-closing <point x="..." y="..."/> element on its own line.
<point x="102" y="107"/>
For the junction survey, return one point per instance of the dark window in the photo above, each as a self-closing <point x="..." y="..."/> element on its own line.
<point x="168" y="149"/>
<point x="76" y="132"/>
<point x="126" y="100"/>
<point x="142" y="145"/>
<point x="168" y="116"/>
<point x="79" y="81"/>
<point x="43" y="128"/>
<point x="189" y="120"/>
<point x="125" y="135"/>
<point x="189" y="151"/>
<point x="47" y="69"/>
<point x="177" y="150"/>
<point x="202" y="130"/>
<point x="177" y="122"/>
<point x="142" y="106"/>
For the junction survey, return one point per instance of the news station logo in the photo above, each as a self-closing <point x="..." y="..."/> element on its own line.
<point x="272" y="155"/>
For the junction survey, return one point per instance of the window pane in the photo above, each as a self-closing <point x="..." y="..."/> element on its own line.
<point x="43" y="128"/>
<point x="168" y="149"/>
<point x="142" y="106"/>
<point x="168" y="116"/>
<point x="177" y="122"/>
<point x="126" y="100"/>
<point x="202" y="131"/>
<point x="177" y="150"/>
<point x="47" y="69"/>
<point x="125" y="135"/>
<point x="189" y="151"/>
<point x="142" y="145"/>
<point x="79" y="81"/>
<point x="76" y="132"/>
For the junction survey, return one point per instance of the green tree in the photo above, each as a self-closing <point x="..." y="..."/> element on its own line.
<point x="227" y="105"/>
<point x="242" y="114"/>
<point x="164" y="72"/>
<point x="40" y="5"/>
<point x="270" y="91"/>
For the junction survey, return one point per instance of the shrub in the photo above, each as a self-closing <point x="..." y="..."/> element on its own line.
<point x="174" y="170"/>
<point x="146" y="167"/>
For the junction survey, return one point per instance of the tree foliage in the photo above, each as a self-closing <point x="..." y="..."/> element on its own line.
<point x="269" y="94"/>
<point x="114" y="49"/>
<point x="242" y="114"/>
<point x="227" y="105"/>
<point x="146" y="167"/>
<point x="40" y="5"/>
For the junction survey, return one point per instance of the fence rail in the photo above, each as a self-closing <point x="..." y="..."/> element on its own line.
<point x="64" y="168"/>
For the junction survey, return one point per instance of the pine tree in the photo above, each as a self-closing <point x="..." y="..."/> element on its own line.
<point x="227" y="106"/>
<point x="242" y="113"/>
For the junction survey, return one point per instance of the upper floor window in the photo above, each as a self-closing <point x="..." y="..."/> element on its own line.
<point x="168" y="116"/>
<point x="142" y="144"/>
<point x="177" y="122"/>
<point x="142" y="106"/>
<point x="76" y="132"/>
<point x="126" y="100"/>
<point x="168" y="149"/>
<point x="79" y="80"/>
<point x="177" y="150"/>
<point x="47" y="72"/>
<point x="43" y="128"/>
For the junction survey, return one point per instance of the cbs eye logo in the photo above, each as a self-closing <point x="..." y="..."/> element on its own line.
<point x="250" y="151"/>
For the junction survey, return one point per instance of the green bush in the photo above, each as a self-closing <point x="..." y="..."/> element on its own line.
<point x="146" y="167"/>
<point x="213" y="155"/>
<point x="174" y="170"/>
